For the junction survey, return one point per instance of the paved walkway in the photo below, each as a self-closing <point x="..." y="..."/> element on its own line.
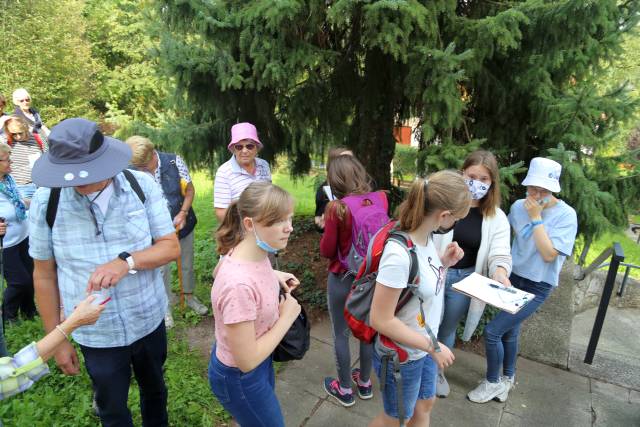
<point x="544" y="396"/>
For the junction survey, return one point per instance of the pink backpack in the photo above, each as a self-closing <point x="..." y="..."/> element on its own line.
<point x="368" y="215"/>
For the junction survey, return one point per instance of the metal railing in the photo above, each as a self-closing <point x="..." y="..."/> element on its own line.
<point x="617" y="257"/>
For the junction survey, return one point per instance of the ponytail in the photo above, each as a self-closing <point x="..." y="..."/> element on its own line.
<point x="230" y="231"/>
<point x="444" y="190"/>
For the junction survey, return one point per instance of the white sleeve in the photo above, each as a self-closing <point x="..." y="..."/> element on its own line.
<point x="394" y="266"/>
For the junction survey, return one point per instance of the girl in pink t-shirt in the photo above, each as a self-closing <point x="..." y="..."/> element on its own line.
<point x="250" y="319"/>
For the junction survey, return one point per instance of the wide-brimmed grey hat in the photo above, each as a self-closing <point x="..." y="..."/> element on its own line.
<point x="79" y="154"/>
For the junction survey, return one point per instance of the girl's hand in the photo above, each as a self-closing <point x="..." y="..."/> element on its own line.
<point x="444" y="358"/>
<point x="288" y="282"/>
<point x="289" y="307"/>
<point x="452" y="254"/>
<point x="500" y="275"/>
<point x="86" y="313"/>
<point x="534" y="209"/>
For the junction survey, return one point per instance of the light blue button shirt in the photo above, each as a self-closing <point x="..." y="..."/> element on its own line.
<point x="139" y="301"/>
<point x="561" y="224"/>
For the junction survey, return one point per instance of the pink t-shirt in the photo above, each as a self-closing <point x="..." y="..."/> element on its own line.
<point x="243" y="291"/>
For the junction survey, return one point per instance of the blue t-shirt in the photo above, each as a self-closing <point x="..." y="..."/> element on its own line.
<point x="561" y="224"/>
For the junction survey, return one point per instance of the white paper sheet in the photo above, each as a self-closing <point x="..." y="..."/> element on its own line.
<point x="509" y="299"/>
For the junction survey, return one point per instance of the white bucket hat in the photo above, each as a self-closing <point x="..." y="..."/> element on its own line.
<point x="544" y="173"/>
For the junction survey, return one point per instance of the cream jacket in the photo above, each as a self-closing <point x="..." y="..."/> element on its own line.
<point x="494" y="252"/>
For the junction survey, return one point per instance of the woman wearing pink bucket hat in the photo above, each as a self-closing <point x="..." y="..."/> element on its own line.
<point x="242" y="169"/>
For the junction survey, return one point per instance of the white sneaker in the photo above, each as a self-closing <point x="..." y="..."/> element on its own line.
<point x="168" y="320"/>
<point x="509" y="383"/>
<point x="196" y="305"/>
<point x="442" y="386"/>
<point x="486" y="391"/>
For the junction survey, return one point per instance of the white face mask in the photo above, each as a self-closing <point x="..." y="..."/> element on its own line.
<point x="477" y="188"/>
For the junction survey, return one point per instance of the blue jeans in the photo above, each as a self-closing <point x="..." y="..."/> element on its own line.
<point x="249" y="397"/>
<point x="418" y="383"/>
<point x="455" y="306"/>
<point x="110" y="372"/>
<point x="502" y="333"/>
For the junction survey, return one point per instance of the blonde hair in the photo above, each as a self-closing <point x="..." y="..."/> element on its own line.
<point x="19" y="94"/>
<point x="142" y="149"/>
<point x="5" y="148"/>
<point x="16" y="120"/>
<point x="442" y="191"/>
<point x="491" y="200"/>
<point x="262" y="201"/>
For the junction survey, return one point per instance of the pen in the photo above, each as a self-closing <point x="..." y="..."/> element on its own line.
<point x="502" y="288"/>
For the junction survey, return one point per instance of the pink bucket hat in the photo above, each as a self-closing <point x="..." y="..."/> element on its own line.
<point x="241" y="131"/>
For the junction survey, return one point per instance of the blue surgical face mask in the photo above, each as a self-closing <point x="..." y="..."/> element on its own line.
<point x="262" y="244"/>
<point x="542" y="201"/>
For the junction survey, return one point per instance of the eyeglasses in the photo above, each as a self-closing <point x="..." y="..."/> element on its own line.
<point x="240" y="147"/>
<point x="24" y="100"/>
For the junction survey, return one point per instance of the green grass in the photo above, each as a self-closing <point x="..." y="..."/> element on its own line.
<point x="302" y="189"/>
<point x="60" y="400"/>
<point x="630" y="247"/>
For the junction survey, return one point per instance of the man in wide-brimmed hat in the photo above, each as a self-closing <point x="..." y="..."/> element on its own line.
<point x="108" y="233"/>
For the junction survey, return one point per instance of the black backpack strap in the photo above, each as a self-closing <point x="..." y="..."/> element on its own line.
<point x="52" y="206"/>
<point x="135" y="185"/>
<point x="54" y="197"/>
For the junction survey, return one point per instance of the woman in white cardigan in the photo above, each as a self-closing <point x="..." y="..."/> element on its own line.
<point x="484" y="235"/>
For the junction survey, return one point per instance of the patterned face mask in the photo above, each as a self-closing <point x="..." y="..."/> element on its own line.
<point x="477" y="188"/>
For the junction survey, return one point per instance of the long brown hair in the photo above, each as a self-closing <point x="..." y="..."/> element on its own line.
<point x="347" y="176"/>
<point x="264" y="202"/>
<point x="444" y="190"/>
<point x="491" y="200"/>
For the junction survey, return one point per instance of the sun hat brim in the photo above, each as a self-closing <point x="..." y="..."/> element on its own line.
<point x="109" y="160"/>
<point x="542" y="182"/>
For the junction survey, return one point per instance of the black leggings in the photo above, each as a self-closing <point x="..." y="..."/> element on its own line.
<point x="18" y="272"/>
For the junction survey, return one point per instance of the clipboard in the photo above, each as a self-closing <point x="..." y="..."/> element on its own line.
<point x="493" y="293"/>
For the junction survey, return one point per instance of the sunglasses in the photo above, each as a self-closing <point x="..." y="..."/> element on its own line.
<point x="25" y="100"/>
<point x="16" y="134"/>
<point x="240" y="147"/>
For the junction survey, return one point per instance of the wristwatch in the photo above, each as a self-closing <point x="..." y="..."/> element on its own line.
<point x="126" y="256"/>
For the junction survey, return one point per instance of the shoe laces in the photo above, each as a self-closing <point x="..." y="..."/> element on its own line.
<point x="335" y="384"/>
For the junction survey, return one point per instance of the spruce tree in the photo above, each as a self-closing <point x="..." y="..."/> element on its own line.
<point x="517" y="77"/>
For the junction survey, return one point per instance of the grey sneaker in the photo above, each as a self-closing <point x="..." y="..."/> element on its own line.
<point x="442" y="386"/>
<point x="168" y="320"/>
<point x="173" y="299"/>
<point x="509" y="383"/>
<point x="486" y="391"/>
<point x="196" y="305"/>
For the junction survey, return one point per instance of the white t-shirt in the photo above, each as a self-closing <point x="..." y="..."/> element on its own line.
<point x="394" y="273"/>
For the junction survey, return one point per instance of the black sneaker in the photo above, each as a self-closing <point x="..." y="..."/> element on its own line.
<point x="332" y="387"/>
<point x="365" y="392"/>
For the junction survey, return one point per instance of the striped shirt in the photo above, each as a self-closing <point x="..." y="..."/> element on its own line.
<point x="18" y="373"/>
<point x="232" y="179"/>
<point x="23" y="156"/>
<point x="139" y="301"/>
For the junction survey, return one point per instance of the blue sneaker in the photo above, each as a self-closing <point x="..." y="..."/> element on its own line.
<point x="364" y="392"/>
<point x="332" y="387"/>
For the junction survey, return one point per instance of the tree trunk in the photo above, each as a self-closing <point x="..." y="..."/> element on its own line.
<point x="372" y="129"/>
